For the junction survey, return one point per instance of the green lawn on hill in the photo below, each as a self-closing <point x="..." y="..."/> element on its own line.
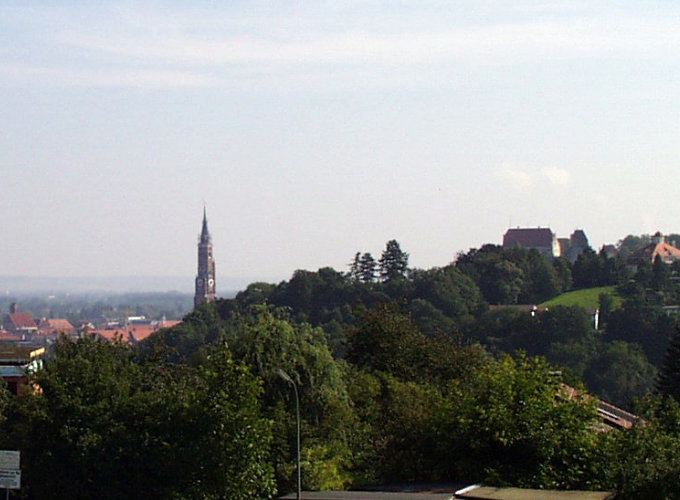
<point x="587" y="298"/>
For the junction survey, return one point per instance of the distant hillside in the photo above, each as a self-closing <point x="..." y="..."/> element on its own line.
<point x="587" y="298"/>
<point x="35" y="285"/>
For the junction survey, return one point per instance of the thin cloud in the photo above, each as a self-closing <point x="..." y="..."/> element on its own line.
<point x="557" y="177"/>
<point x="516" y="178"/>
<point x="70" y="77"/>
<point x="485" y="44"/>
<point x="184" y="46"/>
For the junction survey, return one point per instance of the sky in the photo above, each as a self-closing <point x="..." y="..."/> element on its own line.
<point x="311" y="130"/>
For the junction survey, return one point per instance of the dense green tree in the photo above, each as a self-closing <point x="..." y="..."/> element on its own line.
<point x="559" y="324"/>
<point x="450" y="291"/>
<point x="612" y="270"/>
<point x="188" y="340"/>
<point x="509" y="425"/>
<point x="510" y="330"/>
<point x="542" y="281"/>
<point x="620" y="373"/>
<point x="668" y="382"/>
<point x="644" y="273"/>
<point x="393" y="262"/>
<point x="632" y="243"/>
<point x="227" y="435"/>
<point x="660" y="274"/>
<point x="255" y="293"/>
<point x="387" y="341"/>
<point x="368" y="268"/>
<point x="586" y="270"/>
<point x="642" y="322"/>
<point x="563" y="272"/>
<point x="299" y="292"/>
<point x="430" y="319"/>
<point x="408" y="431"/>
<point x="354" y="267"/>
<point x="643" y="462"/>
<point x="268" y="342"/>
<point x="101" y="419"/>
<point x="606" y="305"/>
<point x="500" y="280"/>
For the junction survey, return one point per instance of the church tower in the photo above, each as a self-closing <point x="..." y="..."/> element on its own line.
<point x="205" y="279"/>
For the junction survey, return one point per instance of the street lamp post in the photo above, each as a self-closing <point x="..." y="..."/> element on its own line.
<point x="287" y="378"/>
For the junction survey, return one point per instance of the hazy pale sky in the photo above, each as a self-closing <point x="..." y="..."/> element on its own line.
<point x="313" y="130"/>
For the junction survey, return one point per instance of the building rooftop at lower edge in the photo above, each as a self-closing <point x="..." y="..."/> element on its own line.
<point x="450" y="492"/>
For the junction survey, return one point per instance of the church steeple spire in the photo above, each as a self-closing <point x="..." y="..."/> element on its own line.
<point x="205" y="234"/>
<point x="205" y="279"/>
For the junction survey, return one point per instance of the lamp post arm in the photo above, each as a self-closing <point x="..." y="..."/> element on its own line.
<point x="297" y="421"/>
<point x="288" y="379"/>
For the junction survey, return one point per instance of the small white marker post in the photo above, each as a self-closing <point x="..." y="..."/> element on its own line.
<point x="10" y="470"/>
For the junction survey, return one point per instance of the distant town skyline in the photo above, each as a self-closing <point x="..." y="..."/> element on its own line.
<point x="311" y="131"/>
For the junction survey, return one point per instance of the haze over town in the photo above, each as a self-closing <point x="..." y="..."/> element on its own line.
<point x="313" y="131"/>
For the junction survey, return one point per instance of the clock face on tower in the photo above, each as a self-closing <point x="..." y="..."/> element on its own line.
<point x="211" y="282"/>
<point x="199" y="281"/>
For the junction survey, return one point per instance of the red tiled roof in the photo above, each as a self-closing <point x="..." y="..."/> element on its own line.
<point x="169" y="324"/>
<point x="610" y="414"/>
<point x="50" y="326"/>
<point x="22" y="320"/>
<point x="528" y="237"/>
<point x="667" y="252"/>
<point x="140" y="332"/>
<point x="110" y="335"/>
<point x="6" y="336"/>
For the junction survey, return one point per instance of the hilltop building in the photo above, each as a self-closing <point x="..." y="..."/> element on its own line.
<point x="205" y="280"/>
<point x="658" y="247"/>
<point x="539" y="238"/>
<point x="572" y="247"/>
<point x="546" y="242"/>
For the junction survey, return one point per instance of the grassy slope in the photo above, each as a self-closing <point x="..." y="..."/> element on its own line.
<point x="588" y="298"/>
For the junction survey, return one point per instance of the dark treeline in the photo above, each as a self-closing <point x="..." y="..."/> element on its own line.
<point x="619" y="361"/>
<point x="404" y="375"/>
<point x="401" y="406"/>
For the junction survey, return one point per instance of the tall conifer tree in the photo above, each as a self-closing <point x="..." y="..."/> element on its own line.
<point x="669" y="377"/>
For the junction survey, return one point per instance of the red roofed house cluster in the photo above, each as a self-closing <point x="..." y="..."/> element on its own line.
<point x="134" y="330"/>
<point x="659" y="247"/>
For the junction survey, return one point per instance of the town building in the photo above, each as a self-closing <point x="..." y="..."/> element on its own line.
<point x="546" y="242"/>
<point x="17" y="363"/>
<point x="659" y="247"/>
<point x="135" y="329"/>
<point x="55" y="327"/>
<point x="539" y="238"/>
<point x="18" y="323"/>
<point x="205" y="279"/>
<point x="575" y="245"/>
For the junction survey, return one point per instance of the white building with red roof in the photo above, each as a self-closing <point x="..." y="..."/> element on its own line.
<point x="657" y="248"/>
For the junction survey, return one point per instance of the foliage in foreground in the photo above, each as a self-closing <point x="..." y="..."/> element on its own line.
<point x="114" y="422"/>
<point x="106" y="426"/>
